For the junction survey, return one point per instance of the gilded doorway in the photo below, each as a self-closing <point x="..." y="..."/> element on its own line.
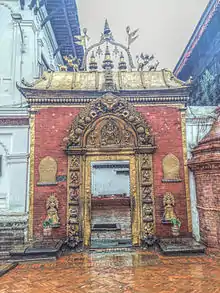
<point x="135" y="221"/>
<point x="110" y="204"/>
<point x="110" y="129"/>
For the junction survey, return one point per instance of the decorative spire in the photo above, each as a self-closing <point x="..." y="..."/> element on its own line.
<point x="106" y="28"/>
<point x="92" y="63"/>
<point x="107" y="66"/>
<point x="107" y="62"/>
<point x="122" y="64"/>
<point x="107" y="31"/>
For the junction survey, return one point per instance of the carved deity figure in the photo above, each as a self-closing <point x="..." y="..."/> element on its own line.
<point x="110" y="133"/>
<point x="146" y="176"/>
<point x="74" y="195"/>
<point x="73" y="215"/>
<point x="168" y="202"/>
<point x="52" y="210"/>
<point x="147" y="213"/>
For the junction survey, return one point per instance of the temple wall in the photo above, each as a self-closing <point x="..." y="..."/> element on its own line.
<point x="165" y="122"/>
<point x="166" y="126"/>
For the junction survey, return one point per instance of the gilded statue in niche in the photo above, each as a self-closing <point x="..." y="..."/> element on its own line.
<point x="47" y="171"/>
<point x="168" y="203"/>
<point x="171" y="168"/>
<point x="52" y="206"/>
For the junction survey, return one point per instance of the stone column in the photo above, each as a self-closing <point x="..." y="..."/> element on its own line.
<point x="205" y="164"/>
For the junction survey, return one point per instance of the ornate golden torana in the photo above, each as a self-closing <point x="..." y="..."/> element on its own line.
<point x="107" y="128"/>
<point x="110" y="122"/>
<point x="110" y="129"/>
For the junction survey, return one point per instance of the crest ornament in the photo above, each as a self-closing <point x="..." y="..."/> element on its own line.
<point x="121" y="119"/>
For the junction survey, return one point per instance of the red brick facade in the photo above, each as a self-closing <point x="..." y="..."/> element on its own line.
<point x="52" y="126"/>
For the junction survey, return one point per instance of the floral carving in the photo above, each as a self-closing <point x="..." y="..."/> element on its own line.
<point x="147" y="196"/>
<point x="74" y="192"/>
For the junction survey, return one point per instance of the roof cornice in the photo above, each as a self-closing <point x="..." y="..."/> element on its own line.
<point x="200" y="29"/>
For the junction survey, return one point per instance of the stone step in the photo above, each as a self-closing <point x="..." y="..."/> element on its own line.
<point x="15" y="228"/>
<point x="4" y="255"/>
<point x="111" y="250"/>
<point x="6" y="247"/>
<point x="13" y="239"/>
<point x="33" y="259"/>
<point x="9" y="246"/>
<point x="11" y="233"/>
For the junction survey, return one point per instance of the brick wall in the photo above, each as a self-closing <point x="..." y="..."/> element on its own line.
<point x="53" y="124"/>
<point x="114" y="214"/>
<point x="166" y="127"/>
<point x="208" y="190"/>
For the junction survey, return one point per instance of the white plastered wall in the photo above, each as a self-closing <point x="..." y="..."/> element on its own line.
<point x="19" y="60"/>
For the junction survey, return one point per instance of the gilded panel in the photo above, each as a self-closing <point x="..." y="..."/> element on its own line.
<point x="171" y="168"/>
<point x="47" y="171"/>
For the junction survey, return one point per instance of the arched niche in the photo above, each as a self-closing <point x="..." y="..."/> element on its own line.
<point x="47" y="171"/>
<point x="171" y="168"/>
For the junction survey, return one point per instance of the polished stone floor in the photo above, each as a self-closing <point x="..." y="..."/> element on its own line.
<point x="127" y="272"/>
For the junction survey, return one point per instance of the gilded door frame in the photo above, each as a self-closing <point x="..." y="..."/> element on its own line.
<point x="79" y="194"/>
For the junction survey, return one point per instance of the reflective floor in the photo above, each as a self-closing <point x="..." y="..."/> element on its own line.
<point x="128" y="272"/>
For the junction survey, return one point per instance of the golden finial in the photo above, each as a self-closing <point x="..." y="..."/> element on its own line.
<point x="92" y="63"/>
<point x="122" y="64"/>
<point x="107" y="62"/>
